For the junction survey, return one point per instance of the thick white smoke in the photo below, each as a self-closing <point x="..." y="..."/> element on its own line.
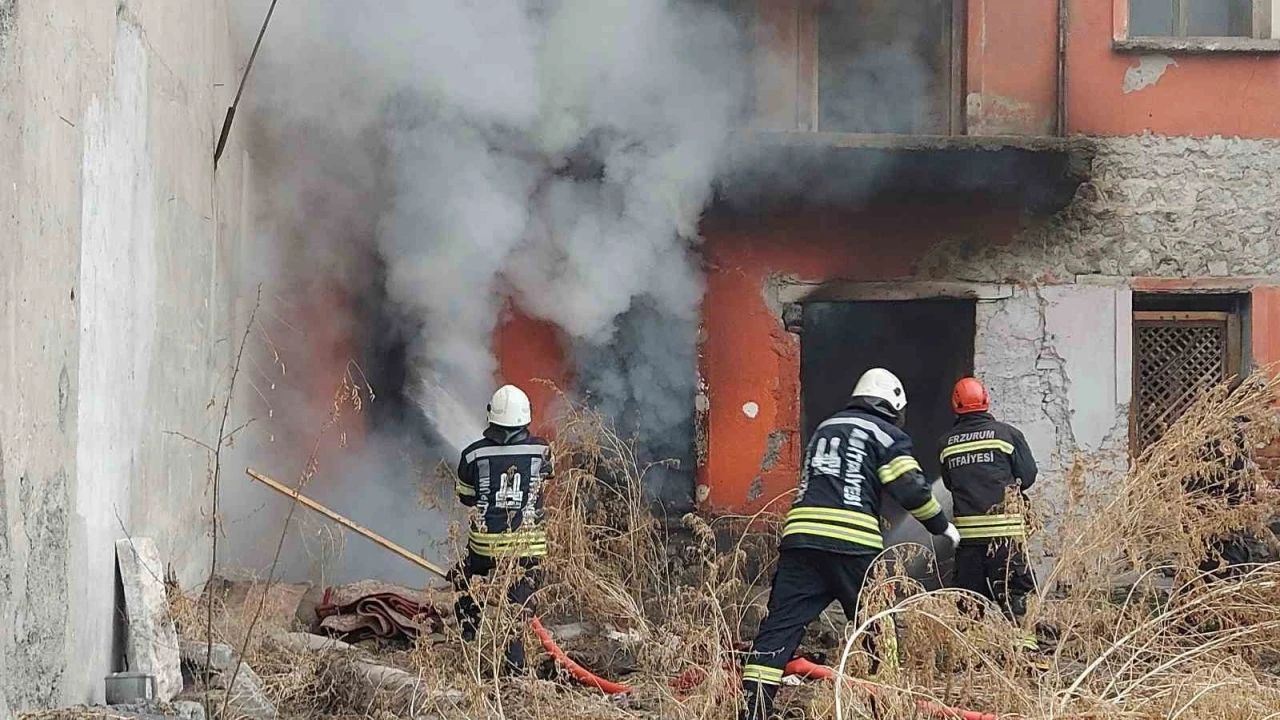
<point x="479" y="105"/>
<point x="552" y="153"/>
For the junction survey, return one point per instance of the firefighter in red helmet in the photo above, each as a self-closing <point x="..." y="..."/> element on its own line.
<point x="982" y="458"/>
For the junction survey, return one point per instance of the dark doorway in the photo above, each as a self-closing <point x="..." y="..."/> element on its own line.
<point x="928" y="344"/>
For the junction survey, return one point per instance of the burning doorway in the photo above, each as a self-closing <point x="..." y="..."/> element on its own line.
<point x="927" y="343"/>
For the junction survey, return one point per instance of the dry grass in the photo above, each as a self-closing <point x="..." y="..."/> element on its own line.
<point x="1142" y="634"/>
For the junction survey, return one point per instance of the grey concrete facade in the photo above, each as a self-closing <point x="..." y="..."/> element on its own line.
<point x="1155" y="206"/>
<point x="1057" y="355"/>
<point x="117" y="290"/>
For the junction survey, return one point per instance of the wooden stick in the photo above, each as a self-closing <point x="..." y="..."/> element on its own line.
<point x="360" y="529"/>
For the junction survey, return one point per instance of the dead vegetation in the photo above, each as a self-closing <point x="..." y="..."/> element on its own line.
<point x="1133" y="627"/>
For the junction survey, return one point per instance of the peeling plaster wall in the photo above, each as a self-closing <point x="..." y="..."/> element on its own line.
<point x="1056" y="361"/>
<point x="116" y="306"/>
<point x="1155" y="206"/>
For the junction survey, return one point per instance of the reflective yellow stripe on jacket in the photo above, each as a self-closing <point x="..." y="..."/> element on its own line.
<point x="519" y="543"/>
<point x="896" y="468"/>
<point x="981" y="527"/>
<point x="974" y="446"/>
<point x="836" y="524"/>
<point x="927" y="510"/>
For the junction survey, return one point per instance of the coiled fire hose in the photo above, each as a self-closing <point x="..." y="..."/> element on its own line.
<point x="692" y="678"/>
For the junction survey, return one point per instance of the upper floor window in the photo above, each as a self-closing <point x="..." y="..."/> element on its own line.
<point x="1200" y="18"/>
<point x="884" y="66"/>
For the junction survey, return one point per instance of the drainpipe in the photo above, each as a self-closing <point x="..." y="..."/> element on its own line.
<point x="1061" y="120"/>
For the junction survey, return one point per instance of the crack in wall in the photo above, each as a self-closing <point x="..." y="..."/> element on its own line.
<point x="1055" y="384"/>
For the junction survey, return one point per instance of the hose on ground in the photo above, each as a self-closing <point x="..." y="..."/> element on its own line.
<point x="801" y="667"/>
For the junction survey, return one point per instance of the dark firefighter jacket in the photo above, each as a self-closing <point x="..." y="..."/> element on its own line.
<point x="852" y="458"/>
<point x="502" y="476"/>
<point x="981" y="458"/>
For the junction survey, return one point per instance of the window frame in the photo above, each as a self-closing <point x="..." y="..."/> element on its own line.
<point x="1233" y="363"/>
<point x="808" y="105"/>
<point x="1264" y="37"/>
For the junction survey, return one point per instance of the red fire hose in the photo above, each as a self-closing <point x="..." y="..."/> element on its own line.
<point x="799" y="666"/>
<point x="581" y="674"/>
<point x="690" y="679"/>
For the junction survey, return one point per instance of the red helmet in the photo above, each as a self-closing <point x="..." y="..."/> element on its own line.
<point x="969" y="396"/>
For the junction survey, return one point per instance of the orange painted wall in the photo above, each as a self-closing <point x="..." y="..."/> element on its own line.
<point x="530" y="351"/>
<point x="1012" y="67"/>
<point x="1265" y="325"/>
<point x="1011" y="75"/>
<point x="747" y="356"/>
<point x="323" y="355"/>
<point x="1201" y="95"/>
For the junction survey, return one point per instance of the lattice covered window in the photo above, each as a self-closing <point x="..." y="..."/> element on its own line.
<point x="1176" y="356"/>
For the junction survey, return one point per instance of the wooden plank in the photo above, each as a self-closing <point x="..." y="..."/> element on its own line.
<point x="797" y="292"/>
<point x="807" y="39"/>
<point x="776" y="65"/>
<point x="1260" y="27"/>
<point x="1119" y="20"/>
<point x="1234" y="358"/>
<point x="1135" y="376"/>
<point x="344" y="522"/>
<point x="1180" y="316"/>
<point x="959" y="60"/>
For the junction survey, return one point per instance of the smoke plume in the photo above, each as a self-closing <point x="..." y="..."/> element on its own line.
<point x="440" y="161"/>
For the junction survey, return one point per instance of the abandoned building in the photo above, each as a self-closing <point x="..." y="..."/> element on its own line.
<point x="1076" y="203"/>
<point x="1076" y="200"/>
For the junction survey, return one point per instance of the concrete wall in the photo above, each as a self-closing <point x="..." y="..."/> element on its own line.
<point x="1157" y="206"/>
<point x="1056" y="360"/>
<point x="115" y="315"/>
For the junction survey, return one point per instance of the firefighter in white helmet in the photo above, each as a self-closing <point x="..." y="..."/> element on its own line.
<point x="501" y="476"/>
<point x="832" y="532"/>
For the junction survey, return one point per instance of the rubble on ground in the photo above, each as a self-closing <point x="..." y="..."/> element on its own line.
<point x="247" y="696"/>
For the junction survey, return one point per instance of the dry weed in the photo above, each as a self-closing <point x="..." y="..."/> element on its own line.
<point x="1139" y="631"/>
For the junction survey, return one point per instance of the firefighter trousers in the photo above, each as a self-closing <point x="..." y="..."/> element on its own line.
<point x="519" y="593"/>
<point x="804" y="584"/>
<point x="998" y="571"/>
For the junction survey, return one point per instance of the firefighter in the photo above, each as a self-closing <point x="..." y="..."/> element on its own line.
<point x="982" y="458"/>
<point x="832" y="532"/>
<point x="501" y="476"/>
<point x="1228" y="479"/>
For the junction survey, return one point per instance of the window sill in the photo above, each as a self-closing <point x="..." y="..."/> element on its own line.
<point x="1197" y="45"/>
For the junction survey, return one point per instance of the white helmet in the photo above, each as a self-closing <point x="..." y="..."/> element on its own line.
<point x="882" y="384"/>
<point x="510" y="408"/>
